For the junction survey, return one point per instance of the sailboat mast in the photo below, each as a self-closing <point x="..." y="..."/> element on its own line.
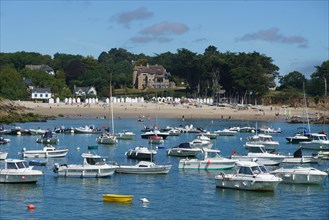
<point x="305" y="103"/>
<point x="111" y="108"/>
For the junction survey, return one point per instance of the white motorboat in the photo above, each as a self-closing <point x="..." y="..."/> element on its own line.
<point x="155" y="132"/>
<point x="201" y="141"/>
<point x="209" y="134"/>
<point x="144" y="167"/>
<point x="3" y="155"/>
<point x="226" y="132"/>
<point x="262" y="139"/>
<point x="183" y="150"/>
<point x="87" y="130"/>
<point x="305" y="175"/>
<point x="38" y="131"/>
<point x="47" y="138"/>
<point x="298" y="157"/>
<point x="172" y="131"/>
<point x="48" y="151"/>
<point x="93" y="166"/>
<point x="141" y="153"/>
<point x="248" y="175"/>
<point x="4" y="140"/>
<point x="106" y="138"/>
<point x="125" y="135"/>
<point x="211" y="160"/>
<point x="18" y="171"/>
<point x="269" y="130"/>
<point x="257" y="152"/>
<point x="318" y="142"/>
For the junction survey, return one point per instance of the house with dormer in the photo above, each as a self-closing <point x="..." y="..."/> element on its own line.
<point x="41" y="94"/>
<point x="151" y="76"/>
<point x="83" y="92"/>
<point x="43" y="67"/>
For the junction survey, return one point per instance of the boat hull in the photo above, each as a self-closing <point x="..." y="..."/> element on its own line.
<point x="195" y="164"/>
<point x="183" y="152"/>
<point x="20" y="177"/>
<point x="314" y="145"/>
<point x="80" y="171"/>
<point x="301" y="176"/>
<point x="156" y="169"/>
<point x="45" y="154"/>
<point x="245" y="184"/>
<point x="116" y="198"/>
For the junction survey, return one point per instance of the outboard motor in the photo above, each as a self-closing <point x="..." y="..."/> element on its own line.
<point x="56" y="167"/>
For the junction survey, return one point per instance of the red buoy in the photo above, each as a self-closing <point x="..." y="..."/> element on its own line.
<point x="30" y="206"/>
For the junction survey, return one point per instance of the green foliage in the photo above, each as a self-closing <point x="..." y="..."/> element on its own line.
<point x="11" y="84"/>
<point x="239" y="74"/>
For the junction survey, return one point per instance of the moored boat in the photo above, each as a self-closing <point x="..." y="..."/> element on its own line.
<point x="117" y="198"/>
<point x="144" y="167"/>
<point x="18" y="171"/>
<point x="211" y="160"/>
<point x="301" y="175"/>
<point x="47" y="138"/>
<point x="93" y="166"/>
<point x="141" y="153"/>
<point x="183" y="150"/>
<point x="3" y="155"/>
<point x="48" y="151"/>
<point x="248" y="175"/>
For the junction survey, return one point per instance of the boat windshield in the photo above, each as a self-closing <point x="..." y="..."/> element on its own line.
<point x="17" y="165"/>
<point x="256" y="170"/>
<point x="95" y="161"/>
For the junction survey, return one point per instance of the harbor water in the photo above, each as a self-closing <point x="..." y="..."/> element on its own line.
<point x="178" y="195"/>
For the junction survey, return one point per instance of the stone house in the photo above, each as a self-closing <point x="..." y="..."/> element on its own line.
<point x="151" y="76"/>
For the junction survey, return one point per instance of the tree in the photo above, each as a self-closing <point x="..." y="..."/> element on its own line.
<point x="11" y="84"/>
<point x="319" y="80"/>
<point x="293" y="80"/>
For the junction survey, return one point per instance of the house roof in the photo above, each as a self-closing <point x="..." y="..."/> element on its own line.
<point x="84" y="89"/>
<point x="41" y="90"/>
<point x="152" y="69"/>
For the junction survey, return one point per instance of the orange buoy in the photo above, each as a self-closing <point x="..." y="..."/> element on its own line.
<point x="30" y="206"/>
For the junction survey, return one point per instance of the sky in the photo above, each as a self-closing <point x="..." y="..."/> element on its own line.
<point x="295" y="34"/>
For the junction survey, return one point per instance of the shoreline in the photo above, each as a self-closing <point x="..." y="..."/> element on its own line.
<point x="152" y="110"/>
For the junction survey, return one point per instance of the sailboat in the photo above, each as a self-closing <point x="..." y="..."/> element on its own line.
<point x="109" y="137"/>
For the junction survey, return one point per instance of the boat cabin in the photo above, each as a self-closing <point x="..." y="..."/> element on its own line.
<point x="15" y="164"/>
<point x="92" y="159"/>
<point x="256" y="149"/>
<point x="250" y="168"/>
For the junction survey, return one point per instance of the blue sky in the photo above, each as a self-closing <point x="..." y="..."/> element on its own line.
<point x="293" y="33"/>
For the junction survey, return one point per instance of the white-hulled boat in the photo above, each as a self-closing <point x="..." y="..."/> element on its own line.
<point x="18" y="171"/>
<point x="201" y="141"/>
<point x="225" y="132"/>
<point x="211" y="160"/>
<point x="209" y="134"/>
<point x="183" y="150"/>
<point x="262" y="139"/>
<point x="304" y="175"/>
<point x="144" y="167"/>
<point x="48" y="151"/>
<point x="155" y="132"/>
<point x="298" y="157"/>
<point x="106" y="138"/>
<point x="318" y="142"/>
<point x="258" y="152"/>
<point x="125" y="135"/>
<point x="4" y="140"/>
<point x="87" y="130"/>
<point x="156" y="139"/>
<point x="93" y="166"/>
<point x="248" y="175"/>
<point x="141" y="153"/>
<point x="3" y="155"/>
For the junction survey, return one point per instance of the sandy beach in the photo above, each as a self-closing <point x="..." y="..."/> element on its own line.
<point x="152" y="110"/>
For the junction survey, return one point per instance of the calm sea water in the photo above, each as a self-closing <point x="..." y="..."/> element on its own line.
<point x="178" y="195"/>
